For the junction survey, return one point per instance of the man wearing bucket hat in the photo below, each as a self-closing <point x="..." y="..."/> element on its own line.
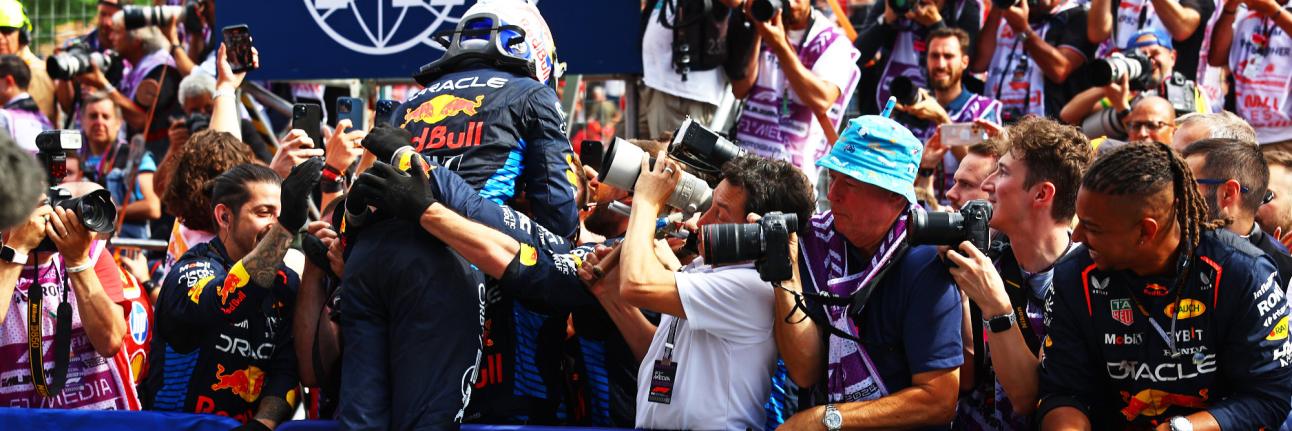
<point x="1111" y="104"/>
<point x="15" y="38"/>
<point x="872" y="322"/>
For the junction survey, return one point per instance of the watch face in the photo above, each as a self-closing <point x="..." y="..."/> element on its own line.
<point x="833" y="419"/>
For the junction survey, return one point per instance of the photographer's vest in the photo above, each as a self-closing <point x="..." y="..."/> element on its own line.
<point x="23" y="121"/>
<point x="1261" y="61"/>
<point x="1014" y="78"/>
<point x="774" y="123"/>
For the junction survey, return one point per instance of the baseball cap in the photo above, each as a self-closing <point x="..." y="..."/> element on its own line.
<point x="878" y="151"/>
<point x="1149" y="37"/>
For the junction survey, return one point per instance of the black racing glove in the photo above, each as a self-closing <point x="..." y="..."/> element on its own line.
<point x="383" y="140"/>
<point x="296" y="192"/>
<point x="396" y="193"/>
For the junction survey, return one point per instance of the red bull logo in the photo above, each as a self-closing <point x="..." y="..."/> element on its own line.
<point x="1152" y="402"/>
<point x="434" y="138"/>
<point x="195" y="292"/>
<point x="441" y="107"/>
<point x="246" y="384"/>
<point x="236" y="279"/>
<point x="1154" y="289"/>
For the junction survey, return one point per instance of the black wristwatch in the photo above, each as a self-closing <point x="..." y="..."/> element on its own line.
<point x="1001" y="323"/>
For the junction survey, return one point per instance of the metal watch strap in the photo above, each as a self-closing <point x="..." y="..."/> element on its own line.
<point x="1001" y="323"/>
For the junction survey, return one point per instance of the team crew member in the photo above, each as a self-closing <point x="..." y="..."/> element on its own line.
<point x="1234" y="179"/>
<point x="1162" y="320"/>
<point x="1034" y="193"/>
<point x="895" y="362"/>
<point x="1035" y="50"/>
<point x="223" y="342"/>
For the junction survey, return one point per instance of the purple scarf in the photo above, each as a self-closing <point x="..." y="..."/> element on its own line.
<point x="851" y="375"/>
<point x="130" y="83"/>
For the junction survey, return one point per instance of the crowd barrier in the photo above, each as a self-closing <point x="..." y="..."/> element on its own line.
<point x="113" y="420"/>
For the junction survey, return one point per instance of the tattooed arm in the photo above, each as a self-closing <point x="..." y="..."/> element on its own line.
<point x="273" y="411"/>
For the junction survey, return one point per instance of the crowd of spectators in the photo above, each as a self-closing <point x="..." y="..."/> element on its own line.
<point x="934" y="189"/>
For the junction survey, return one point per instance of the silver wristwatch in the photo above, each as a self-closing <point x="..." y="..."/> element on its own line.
<point x="833" y="420"/>
<point x="1179" y="423"/>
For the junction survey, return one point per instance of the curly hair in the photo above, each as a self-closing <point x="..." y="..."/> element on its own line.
<point x="771" y="185"/>
<point x="1052" y="152"/>
<point x="187" y="173"/>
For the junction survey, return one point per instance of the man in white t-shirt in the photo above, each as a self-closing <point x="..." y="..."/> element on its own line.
<point x="1251" y="38"/>
<point x="710" y="361"/>
<point x="800" y="80"/>
<point x="668" y="97"/>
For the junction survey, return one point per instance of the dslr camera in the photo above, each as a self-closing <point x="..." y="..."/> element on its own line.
<point x="703" y="150"/>
<point x="904" y="90"/>
<point x="77" y="58"/>
<point x="765" y="242"/>
<point x="95" y="210"/>
<point x="133" y="17"/>
<point x="952" y="228"/>
<point x="622" y="166"/>
<point x="1133" y="65"/>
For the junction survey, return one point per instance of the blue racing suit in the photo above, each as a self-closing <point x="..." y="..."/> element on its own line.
<point x="1229" y="351"/>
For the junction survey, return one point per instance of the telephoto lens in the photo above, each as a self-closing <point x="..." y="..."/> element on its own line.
<point x="134" y="17"/>
<point x="622" y="166"/>
<point x="727" y="243"/>
<point x="764" y="10"/>
<point x="1109" y="70"/>
<point x="77" y="60"/>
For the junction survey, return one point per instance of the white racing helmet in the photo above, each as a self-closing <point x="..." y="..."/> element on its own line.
<point x="507" y="34"/>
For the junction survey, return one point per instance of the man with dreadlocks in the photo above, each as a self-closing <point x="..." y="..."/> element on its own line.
<point x="1184" y="326"/>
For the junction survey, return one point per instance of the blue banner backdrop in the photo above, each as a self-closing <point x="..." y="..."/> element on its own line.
<point x="384" y="39"/>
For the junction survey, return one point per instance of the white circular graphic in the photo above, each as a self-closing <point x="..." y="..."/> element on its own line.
<point x="382" y="27"/>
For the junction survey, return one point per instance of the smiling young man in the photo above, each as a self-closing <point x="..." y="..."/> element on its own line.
<point x="1160" y="319"/>
<point x="1034" y="192"/>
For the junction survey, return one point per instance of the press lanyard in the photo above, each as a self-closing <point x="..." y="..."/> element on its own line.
<point x="35" y="336"/>
<point x="668" y="344"/>
<point x="1009" y="61"/>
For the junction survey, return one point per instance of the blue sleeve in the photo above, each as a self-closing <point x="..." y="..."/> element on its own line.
<point x="454" y="192"/>
<point x="1068" y="374"/>
<point x="549" y="279"/>
<point x="1256" y="347"/>
<point x="933" y="316"/>
<point x="549" y="177"/>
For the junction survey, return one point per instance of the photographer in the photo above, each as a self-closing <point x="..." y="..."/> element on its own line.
<point x="73" y="276"/>
<point x="1251" y="39"/>
<point x="1153" y="262"/>
<point x="1100" y="110"/>
<point x="197" y="98"/>
<point x="672" y="90"/>
<point x="201" y="42"/>
<point x="951" y="102"/>
<point x="1118" y="23"/>
<point x="109" y="162"/>
<point x="796" y="87"/>
<point x="15" y="39"/>
<point x="19" y="116"/>
<point x="714" y="340"/>
<point x="880" y="340"/>
<point x="1030" y="61"/>
<point x="1233" y="178"/>
<point x="1034" y="192"/>
<point x="223" y="322"/>
<point x="902" y="36"/>
<point x="148" y="94"/>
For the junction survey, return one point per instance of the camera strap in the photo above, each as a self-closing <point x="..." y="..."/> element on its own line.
<point x="857" y="302"/>
<point x="48" y="387"/>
